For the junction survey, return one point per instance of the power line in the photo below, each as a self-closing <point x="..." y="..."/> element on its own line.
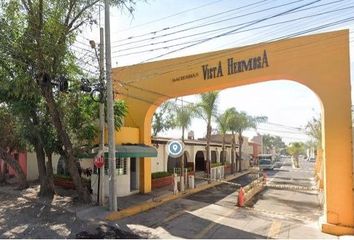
<point x="173" y="15"/>
<point x="212" y="23"/>
<point x="246" y="30"/>
<point x="200" y="59"/>
<point x="218" y="29"/>
<point x="183" y="24"/>
<point x="231" y="31"/>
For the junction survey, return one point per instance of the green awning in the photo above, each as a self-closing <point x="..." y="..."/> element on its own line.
<point x="134" y="151"/>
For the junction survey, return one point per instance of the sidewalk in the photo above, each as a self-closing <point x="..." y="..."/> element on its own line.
<point x="136" y="203"/>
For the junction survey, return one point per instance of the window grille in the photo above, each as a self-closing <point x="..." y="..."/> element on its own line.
<point x="121" y="166"/>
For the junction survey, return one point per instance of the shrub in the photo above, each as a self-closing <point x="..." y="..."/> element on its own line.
<point x="216" y="164"/>
<point x="160" y="175"/>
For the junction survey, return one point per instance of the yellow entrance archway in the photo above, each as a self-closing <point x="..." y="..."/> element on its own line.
<point x="320" y="62"/>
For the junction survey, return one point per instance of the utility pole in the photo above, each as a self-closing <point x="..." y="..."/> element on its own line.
<point x="110" y="115"/>
<point x="102" y="120"/>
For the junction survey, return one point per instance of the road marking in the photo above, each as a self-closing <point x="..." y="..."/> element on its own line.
<point x="293" y="216"/>
<point x="274" y="229"/>
<point x="202" y="233"/>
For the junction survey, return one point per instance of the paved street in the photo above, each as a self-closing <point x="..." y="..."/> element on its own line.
<point x="276" y="213"/>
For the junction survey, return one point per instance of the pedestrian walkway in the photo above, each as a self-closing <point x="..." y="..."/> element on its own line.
<point x="136" y="203"/>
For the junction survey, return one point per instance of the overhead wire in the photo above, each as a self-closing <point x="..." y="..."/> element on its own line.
<point x="170" y="16"/>
<point x="241" y="31"/>
<point x="198" y="60"/>
<point x="185" y="23"/>
<point x="213" y="23"/>
<point x="218" y="29"/>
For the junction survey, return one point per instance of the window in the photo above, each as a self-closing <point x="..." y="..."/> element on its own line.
<point x="121" y="166"/>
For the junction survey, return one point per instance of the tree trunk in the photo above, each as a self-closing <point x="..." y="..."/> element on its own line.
<point x="8" y="158"/>
<point x="182" y="165"/>
<point x="2" y="174"/>
<point x="50" y="175"/>
<point x="83" y="192"/>
<point x="207" y="148"/>
<point x="223" y="158"/>
<point x="233" y="153"/>
<point x="46" y="190"/>
<point x="240" y="141"/>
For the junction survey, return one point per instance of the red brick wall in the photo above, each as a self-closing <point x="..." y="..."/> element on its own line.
<point x="161" y="182"/>
<point x="227" y="169"/>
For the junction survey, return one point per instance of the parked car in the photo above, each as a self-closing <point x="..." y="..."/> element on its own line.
<point x="312" y="159"/>
<point x="266" y="164"/>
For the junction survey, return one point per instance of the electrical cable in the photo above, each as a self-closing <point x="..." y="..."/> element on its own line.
<point x="186" y="23"/>
<point x="215" y="22"/>
<point x="246" y="30"/>
<point x="173" y="15"/>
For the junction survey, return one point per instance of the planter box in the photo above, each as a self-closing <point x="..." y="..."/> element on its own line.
<point x="64" y="183"/>
<point x="67" y="183"/>
<point x="227" y="169"/>
<point x="161" y="182"/>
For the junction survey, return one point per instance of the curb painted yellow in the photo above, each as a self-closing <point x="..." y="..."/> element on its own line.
<point x="320" y="62"/>
<point x="114" y="216"/>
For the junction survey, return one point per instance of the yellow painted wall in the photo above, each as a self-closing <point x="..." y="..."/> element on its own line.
<point x="124" y="135"/>
<point x="320" y="62"/>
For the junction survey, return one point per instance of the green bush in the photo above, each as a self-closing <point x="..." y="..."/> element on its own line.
<point x="216" y="164"/>
<point x="160" y="175"/>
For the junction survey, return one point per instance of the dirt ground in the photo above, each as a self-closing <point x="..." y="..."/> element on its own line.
<point x="23" y="215"/>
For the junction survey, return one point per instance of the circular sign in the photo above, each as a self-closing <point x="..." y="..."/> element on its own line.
<point x="99" y="162"/>
<point x="175" y="148"/>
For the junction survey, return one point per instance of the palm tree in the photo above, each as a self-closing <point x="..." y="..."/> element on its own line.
<point x="241" y="121"/>
<point x="207" y="110"/>
<point x="232" y="125"/>
<point x="295" y="149"/>
<point x="223" y="121"/>
<point x="183" y="120"/>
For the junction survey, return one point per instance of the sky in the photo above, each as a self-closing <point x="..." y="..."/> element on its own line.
<point x="162" y="29"/>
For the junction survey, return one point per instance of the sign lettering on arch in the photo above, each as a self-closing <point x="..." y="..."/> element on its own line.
<point x="234" y="66"/>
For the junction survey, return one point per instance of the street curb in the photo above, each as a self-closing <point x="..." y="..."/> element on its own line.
<point x="114" y="216"/>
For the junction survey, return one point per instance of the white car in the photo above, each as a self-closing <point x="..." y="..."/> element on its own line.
<point x="266" y="164"/>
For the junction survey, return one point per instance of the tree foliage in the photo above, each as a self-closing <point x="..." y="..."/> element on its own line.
<point x="274" y="142"/>
<point x="11" y="140"/>
<point x="35" y="42"/>
<point x="207" y="109"/>
<point x="314" y="130"/>
<point x="163" y="118"/>
<point x="295" y="149"/>
<point x="239" y="122"/>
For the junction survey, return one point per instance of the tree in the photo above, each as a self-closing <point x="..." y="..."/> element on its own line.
<point x="223" y="121"/>
<point x="274" y="142"/>
<point x="183" y="120"/>
<point x="232" y="125"/>
<point x="163" y="118"/>
<point x="9" y="142"/>
<point x="241" y="121"/>
<point x="314" y="130"/>
<point x="295" y="149"/>
<point x="36" y="36"/>
<point x="206" y="109"/>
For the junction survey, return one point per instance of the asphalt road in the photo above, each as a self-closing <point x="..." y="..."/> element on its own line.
<point x="275" y="213"/>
